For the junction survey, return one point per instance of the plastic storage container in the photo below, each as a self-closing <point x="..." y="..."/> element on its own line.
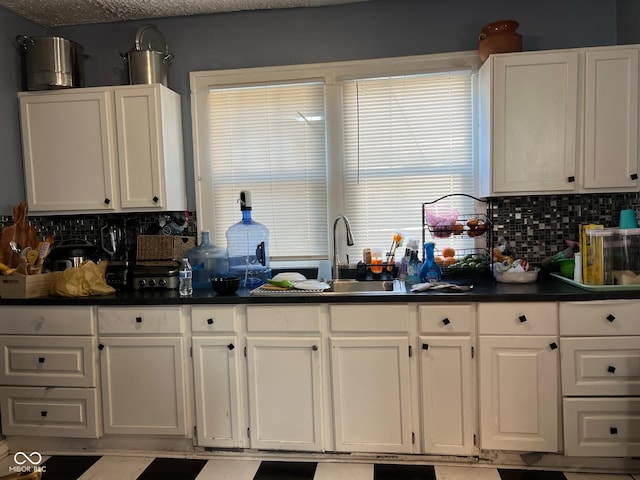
<point x="627" y="264"/>
<point x="207" y="261"/>
<point x="248" y="248"/>
<point x="599" y="256"/>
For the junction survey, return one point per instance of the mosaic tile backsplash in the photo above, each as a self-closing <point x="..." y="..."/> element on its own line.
<point x="535" y="226"/>
<point x="87" y="227"/>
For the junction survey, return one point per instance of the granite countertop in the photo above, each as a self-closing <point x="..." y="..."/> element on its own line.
<point x="484" y="290"/>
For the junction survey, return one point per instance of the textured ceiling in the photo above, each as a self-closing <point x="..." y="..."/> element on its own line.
<point x="52" y="13"/>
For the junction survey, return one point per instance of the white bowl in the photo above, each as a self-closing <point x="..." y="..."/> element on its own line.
<point x="512" y="276"/>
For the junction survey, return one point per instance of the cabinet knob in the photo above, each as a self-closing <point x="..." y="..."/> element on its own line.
<point x="425" y="346"/>
<point x="100" y="346"/>
<point x="611" y="369"/>
<point x="610" y="318"/>
<point x="571" y="179"/>
<point x="138" y="319"/>
<point x="40" y="359"/>
<point x="522" y="318"/>
<point x="155" y="199"/>
<point x="43" y="413"/>
<point x="613" y="430"/>
<point x="107" y="201"/>
<point x="231" y="346"/>
<point x="446" y="321"/>
<point x="314" y="348"/>
<point x="634" y="176"/>
<point x="209" y="321"/>
<point x="553" y="345"/>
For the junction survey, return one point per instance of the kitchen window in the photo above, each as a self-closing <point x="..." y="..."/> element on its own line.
<point x="369" y="139"/>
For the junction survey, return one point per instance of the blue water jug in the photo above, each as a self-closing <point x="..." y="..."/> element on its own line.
<point x="248" y="247"/>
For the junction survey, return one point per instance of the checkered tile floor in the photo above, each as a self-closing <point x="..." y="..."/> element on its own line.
<point x="113" y="467"/>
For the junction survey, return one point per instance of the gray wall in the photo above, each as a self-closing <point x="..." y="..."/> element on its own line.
<point x="378" y="28"/>
<point x="11" y="179"/>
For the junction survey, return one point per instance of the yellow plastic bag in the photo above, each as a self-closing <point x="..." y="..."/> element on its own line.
<point x="83" y="281"/>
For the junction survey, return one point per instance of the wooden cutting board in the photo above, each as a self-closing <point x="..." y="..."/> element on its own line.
<point x="24" y="234"/>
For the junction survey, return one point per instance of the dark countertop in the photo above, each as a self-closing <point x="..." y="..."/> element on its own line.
<point x="484" y="290"/>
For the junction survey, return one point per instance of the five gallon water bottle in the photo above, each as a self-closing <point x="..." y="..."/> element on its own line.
<point x="248" y="247"/>
<point x="207" y="261"/>
<point x="185" y="275"/>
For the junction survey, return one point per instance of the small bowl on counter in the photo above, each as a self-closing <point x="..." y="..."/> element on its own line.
<point x="506" y="274"/>
<point x="566" y="267"/>
<point x="225" y="285"/>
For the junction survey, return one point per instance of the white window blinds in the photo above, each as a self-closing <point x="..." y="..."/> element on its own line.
<point x="270" y="139"/>
<point x="407" y="140"/>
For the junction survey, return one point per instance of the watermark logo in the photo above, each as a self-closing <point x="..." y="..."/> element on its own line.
<point x="27" y="462"/>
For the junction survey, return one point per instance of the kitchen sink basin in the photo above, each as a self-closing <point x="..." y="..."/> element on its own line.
<point x="373" y="286"/>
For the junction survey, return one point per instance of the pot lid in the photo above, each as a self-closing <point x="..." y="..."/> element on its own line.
<point x="149" y="37"/>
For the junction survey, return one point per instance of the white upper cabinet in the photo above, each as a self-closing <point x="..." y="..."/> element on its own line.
<point x="528" y="123"/>
<point x="69" y="155"/>
<point x="103" y="149"/>
<point x="563" y="121"/>
<point x="611" y="120"/>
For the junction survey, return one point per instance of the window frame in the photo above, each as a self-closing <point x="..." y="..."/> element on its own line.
<point x="332" y="74"/>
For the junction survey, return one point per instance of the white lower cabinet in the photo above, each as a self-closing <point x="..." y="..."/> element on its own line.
<point x="284" y="357"/>
<point x="142" y="362"/>
<point x="370" y="378"/>
<point x="600" y="344"/>
<point x="216" y="370"/>
<point x="48" y="372"/>
<point x="519" y="376"/>
<point x="447" y="374"/>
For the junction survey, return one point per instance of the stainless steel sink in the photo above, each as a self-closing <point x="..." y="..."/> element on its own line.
<point x="373" y="286"/>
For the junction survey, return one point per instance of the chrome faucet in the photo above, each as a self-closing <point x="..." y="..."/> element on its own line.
<point x="350" y="243"/>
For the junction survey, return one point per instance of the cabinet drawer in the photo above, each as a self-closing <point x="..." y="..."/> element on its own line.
<point x="213" y="320"/>
<point x="602" y="427"/>
<point x="446" y="318"/>
<point x="48" y="361"/>
<point x="284" y="318"/>
<point x="143" y="320"/>
<point x="18" y="320"/>
<point x="55" y="412"/>
<point x="517" y="319"/>
<point x="600" y="318"/>
<point x="600" y="366"/>
<point x="370" y="318"/>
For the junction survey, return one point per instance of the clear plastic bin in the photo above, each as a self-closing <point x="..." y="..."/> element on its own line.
<point x="599" y="256"/>
<point x="627" y="264"/>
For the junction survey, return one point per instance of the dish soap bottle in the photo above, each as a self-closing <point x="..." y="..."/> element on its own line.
<point x="430" y="271"/>
<point x="413" y="268"/>
<point x="248" y="247"/>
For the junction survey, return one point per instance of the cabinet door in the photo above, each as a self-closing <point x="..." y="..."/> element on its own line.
<point x="447" y="395"/>
<point x="139" y="146"/>
<point x="68" y="150"/>
<point x="519" y="398"/>
<point x="371" y="394"/>
<point x="531" y="144"/>
<point x="611" y="119"/>
<point x="143" y="385"/>
<point x="215" y="369"/>
<point x="285" y="397"/>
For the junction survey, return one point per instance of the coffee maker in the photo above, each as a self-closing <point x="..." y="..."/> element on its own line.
<point x="118" y="242"/>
